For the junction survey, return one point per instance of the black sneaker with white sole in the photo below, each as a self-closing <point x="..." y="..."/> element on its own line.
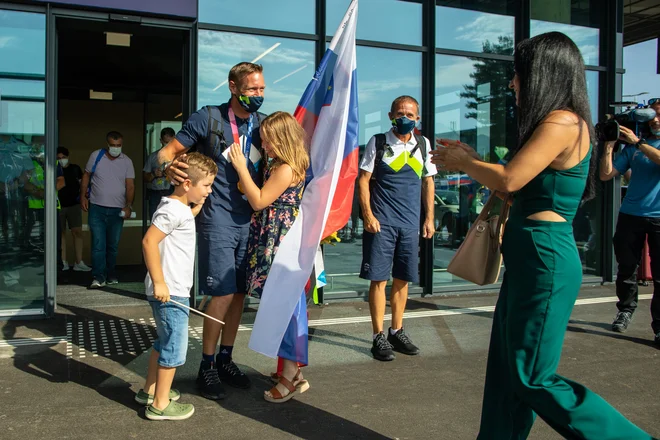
<point x="381" y="349"/>
<point x="402" y="343"/>
<point x="621" y="322"/>
<point x="208" y="382"/>
<point x="232" y="375"/>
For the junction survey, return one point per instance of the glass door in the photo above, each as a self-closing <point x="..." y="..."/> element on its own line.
<point x="22" y="162"/>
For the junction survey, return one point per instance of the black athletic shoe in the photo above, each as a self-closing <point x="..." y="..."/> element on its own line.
<point x="232" y="375"/>
<point x="402" y="343"/>
<point x="208" y="382"/>
<point x="621" y="322"/>
<point x="381" y="349"/>
<point x="657" y="339"/>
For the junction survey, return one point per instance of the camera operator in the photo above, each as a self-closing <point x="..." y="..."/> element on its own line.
<point x="639" y="217"/>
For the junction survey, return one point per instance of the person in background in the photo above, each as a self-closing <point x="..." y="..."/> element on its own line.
<point x="71" y="212"/>
<point x="154" y="178"/>
<point x="639" y="218"/>
<point x="112" y="178"/>
<point x="391" y="204"/>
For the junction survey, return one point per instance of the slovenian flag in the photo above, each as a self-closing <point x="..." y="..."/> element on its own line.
<point x="328" y="111"/>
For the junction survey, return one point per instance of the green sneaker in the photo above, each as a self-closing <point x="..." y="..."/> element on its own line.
<point x="174" y="411"/>
<point x="147" y="399"/>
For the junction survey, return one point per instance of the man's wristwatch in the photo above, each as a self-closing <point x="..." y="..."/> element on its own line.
<point x="639" y="143"/>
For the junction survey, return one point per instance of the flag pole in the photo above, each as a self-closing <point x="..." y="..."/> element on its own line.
<point x="197" y="311"/>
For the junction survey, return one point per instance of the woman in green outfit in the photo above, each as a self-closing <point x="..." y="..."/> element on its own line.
<point x="551" y="171"/>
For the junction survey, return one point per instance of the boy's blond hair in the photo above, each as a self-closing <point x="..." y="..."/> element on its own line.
<point x="199" y="167"/>
<point x="287" y="139"/>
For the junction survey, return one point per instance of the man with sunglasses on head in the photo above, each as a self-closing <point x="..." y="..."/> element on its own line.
<point x="639" y="217"/>
<point x="223" y="224"/>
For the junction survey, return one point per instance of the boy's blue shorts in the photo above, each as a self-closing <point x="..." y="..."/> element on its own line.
<point x="172" y="329"/>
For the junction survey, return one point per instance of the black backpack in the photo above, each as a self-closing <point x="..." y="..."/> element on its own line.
<point x="381" y="146"/>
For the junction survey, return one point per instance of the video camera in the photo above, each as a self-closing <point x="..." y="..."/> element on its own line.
<point x="635" y="117"/>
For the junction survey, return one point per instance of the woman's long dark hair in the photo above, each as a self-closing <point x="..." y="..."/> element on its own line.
<point x="552" y="77"/>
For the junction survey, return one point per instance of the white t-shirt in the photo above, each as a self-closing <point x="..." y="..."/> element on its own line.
<point x="177" y="249"/>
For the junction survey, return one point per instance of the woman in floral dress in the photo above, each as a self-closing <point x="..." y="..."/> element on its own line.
<point x="276" y="206"/>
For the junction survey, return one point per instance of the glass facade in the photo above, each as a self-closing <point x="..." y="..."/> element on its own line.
<point x="455" y="57"/>
<point x="473" y="103"/>
<point x="22" y="169"/>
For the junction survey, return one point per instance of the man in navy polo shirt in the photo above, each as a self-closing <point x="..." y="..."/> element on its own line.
<point x="402" y="172"/>
<point x="639" y="218"/>
<point x="223" y="224"/>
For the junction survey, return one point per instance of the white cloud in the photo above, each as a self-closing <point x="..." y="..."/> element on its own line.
<point x="371" y="90"/>
<point x="454" y="75"/>
<point x="6" y="41"/>
<point x="247" y="47"/>
<point x="486" y="27"/>
<point x="585" y="38"/>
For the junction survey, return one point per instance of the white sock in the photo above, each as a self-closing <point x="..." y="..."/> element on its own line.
<point x="394" y="332"/>
<point x="375" y="335"/>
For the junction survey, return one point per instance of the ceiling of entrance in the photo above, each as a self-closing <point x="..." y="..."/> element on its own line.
<point x="641" y="21"/>
<point x="152" y="64"/>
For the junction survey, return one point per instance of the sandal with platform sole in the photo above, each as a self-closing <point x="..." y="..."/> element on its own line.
<point x="298" y="388"/>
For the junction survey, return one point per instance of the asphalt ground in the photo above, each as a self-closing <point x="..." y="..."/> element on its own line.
<point x="74" y="376"/>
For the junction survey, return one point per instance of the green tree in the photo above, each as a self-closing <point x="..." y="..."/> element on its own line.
<point x="491" y="86"/>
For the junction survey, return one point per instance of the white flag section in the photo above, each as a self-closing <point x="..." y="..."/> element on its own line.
<point x="292" y="265"/>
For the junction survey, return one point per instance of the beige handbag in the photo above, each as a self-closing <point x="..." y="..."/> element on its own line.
<point x="479" y="258"/>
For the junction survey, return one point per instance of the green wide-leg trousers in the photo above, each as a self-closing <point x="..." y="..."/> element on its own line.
<point x="541" y="283"/>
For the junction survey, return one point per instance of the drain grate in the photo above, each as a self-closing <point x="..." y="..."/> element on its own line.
<point x="116" y="337"/>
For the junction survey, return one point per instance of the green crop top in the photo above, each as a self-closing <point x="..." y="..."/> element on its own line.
<point x="559" y="191"/>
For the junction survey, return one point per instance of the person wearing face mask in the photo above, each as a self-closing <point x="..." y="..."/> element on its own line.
<point x="395" y="183"/>
<point x="106" y="192"/>
<point x="639" y="218"/>
<point x="71" y="213"/>
<point x="152" y="174"/>
<point x="223" y="225"/>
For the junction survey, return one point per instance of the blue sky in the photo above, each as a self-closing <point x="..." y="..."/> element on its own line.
<point x="641" y="75"/>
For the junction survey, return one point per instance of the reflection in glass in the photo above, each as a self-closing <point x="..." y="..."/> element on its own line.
<point x="22" y="173"/>
<point x="22" y="43"/>
<point x="16" y="88"/>
<point x="392" y="21"/>
<point x="474" y="31"/>
<point x="288" y="67"/>
<point x="587" y="228"/>
<point x="473" y="104"/>
<point x="587" y="39"/>
<point x="280" y="15"/>
<point x="378" y="86"/>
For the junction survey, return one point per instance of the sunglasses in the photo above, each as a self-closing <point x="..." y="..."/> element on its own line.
<point x="653" y="101"/>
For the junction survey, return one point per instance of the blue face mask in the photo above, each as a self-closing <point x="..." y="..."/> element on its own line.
<point x="655" y="132"/>
<point x="250" y="103"/>
<point x="403" y="125"/>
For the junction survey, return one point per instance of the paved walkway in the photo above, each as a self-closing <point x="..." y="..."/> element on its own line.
<point x="74" y="376"/>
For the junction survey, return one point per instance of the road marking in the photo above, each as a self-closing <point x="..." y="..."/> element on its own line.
<point x="196" y="331"/>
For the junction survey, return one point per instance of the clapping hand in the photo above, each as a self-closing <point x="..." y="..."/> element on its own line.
<point x="452" y="155"/>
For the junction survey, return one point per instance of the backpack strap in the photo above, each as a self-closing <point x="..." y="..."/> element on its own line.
<point x="421" y="145"/>
<point x="381" y="144"/>
<point x="215" y="134"/>
<point x="91" y="174"/>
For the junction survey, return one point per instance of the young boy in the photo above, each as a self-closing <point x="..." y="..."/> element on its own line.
<point x="169" y="253"/>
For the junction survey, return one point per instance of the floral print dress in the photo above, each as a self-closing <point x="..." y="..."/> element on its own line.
<point x="267" y="228"/>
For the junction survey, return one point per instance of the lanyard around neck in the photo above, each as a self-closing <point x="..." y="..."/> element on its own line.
<point x="234" y="131"/>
